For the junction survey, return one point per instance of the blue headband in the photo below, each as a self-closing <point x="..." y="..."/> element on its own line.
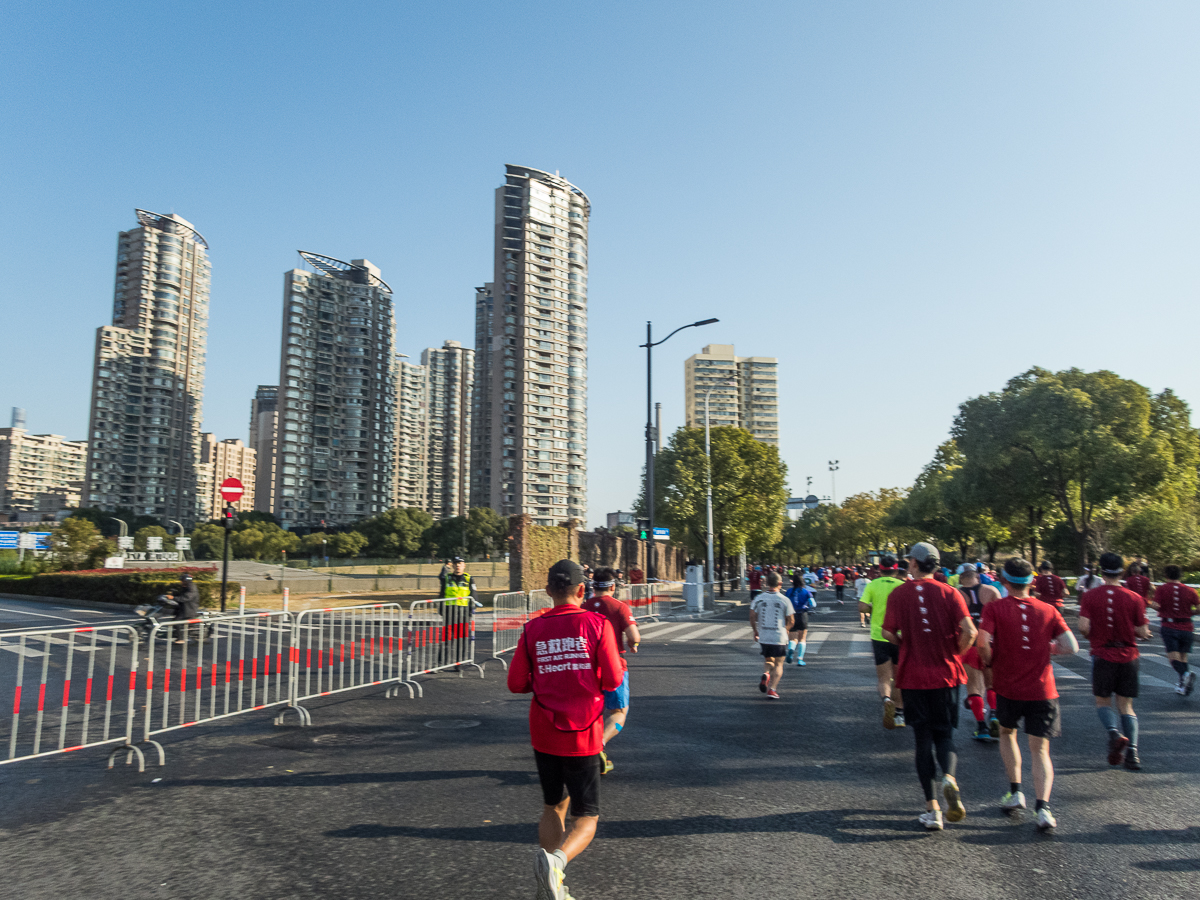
<point x="1013" y="579"/>
<point x="603" y="584"/>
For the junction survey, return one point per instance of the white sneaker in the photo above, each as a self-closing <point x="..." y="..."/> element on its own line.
<point x="932" y="820"/>
<point x="549" y="876"/>
<point x="1011" y="801"/>
<point x="1046" y="819"/>
<point x="955" y="811"/>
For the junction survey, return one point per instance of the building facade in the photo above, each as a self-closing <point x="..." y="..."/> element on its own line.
<point x="337" y="395"/>
<point x="148" y="376"/>
<point x="264" y="423"/>
<point x="39" y="472"/>
<point x="412" y="434"/>
<point x="450" y="379"/>
<point x="531" y="368"/>
<point x="744" y="391"/>
<point x="219" y="460"/>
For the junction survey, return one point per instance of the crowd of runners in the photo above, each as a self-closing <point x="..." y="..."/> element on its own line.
<point x="934" y="631"/>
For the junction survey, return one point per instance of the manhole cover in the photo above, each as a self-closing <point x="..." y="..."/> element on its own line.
<point x="453" y="723"/>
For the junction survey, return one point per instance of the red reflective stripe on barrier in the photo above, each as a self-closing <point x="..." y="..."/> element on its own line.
<point x="213" y="680"/>
<point x="149" y="679"/>
<point x="87" y="691"/>
<point x="17" y="701"/>
<point x="279" y="661"/>
<point x="241" y="669"/>
<point x="342" y="647"/>
<point x="228" y="670"/>
<point x="69" y="749"/>
<point x="254" y="668"/>
<point x="66" y="691"/>
<point x="41" y="696"/>
<point x="294" y="655"/>
<point x="132" y="684"/>
<point x="308" y="658"/>
<point x="166" y="681"/>
<point x="266" y="665"/>
<point x="199" y="677"/>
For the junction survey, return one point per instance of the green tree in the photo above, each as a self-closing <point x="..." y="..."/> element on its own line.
<point x="486" y="531"/>
<point x="315" y="543"/>
<point x="139" y="539"/>
<point x="1162" y="533"/>
<point x="396" y="532"/>
<point x="748" y="484"/>
<point x="446" y="537"/>
<point x="345" y="544"/>
<point x="76" y="543"/>
<point x="259" y="539"/>
<point x="208" y="541"/>
<point x="1077" y="441"/>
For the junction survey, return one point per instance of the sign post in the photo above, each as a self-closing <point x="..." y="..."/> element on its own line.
<point x="231" y="492"/>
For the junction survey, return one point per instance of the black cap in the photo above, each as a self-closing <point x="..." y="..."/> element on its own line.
<point x="458" y="559"/>
<point x="887" y="562"/>
<point x="185" y="577"/>
<point x="566" y="573"/>
<point x="1112" y="563"/>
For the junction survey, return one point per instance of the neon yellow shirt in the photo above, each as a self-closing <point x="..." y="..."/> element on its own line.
<point x="953" y="579"/>
<point x="876" y="596"/>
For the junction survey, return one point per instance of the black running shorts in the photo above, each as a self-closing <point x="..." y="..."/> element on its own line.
<point x="1041" y="716"/>
<point x="885" y="652"/>
<point x="1176" y="640"/>
<point x="935" y="709"/>
<point x="772" y="651"/>
<point x="1110" y="678"/>
<point x="577" y="777"/>
<point x="801" y="621"/>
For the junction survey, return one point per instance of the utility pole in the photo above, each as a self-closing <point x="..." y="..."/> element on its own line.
<point x="833" y="467"/>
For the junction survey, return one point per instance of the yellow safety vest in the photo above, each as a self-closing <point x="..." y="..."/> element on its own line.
<point x="457" y="594"/>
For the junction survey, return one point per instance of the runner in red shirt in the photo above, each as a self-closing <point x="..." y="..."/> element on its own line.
<point x="931" y="624"/>
<point x="1016" y="638"/>
<point x="839" y="585"/>
<point x="1137" y="580"/>
<point x="1112" y="618"/>
<point x="755" y="582"/>
<point x="616" y="703"/>
<point x="1176" y="604"/>
<point x="566" y="657"/>
<point x="1048" y="587"/>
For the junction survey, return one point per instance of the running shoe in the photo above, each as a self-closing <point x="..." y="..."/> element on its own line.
<point x="1132" y="763"/>
<point x="982" y="733"/>
<point x="1189" y="683"/>
<point x="889" y="713"/>
<point x="1012" y="801"/>
<point x="955" y="811"/>
<point x="800" y="661"/>
<point x="790" y="654"/>
<point x="993" y="725"/>
<point x="1180" y="690"/>
<point x="899" y="718"/>
<point x="1117" y="743"/>
<point x="932" y="820"/>
<point x="549" y="876"/>
<point x="772" y="695"/>
<point x="762" y="684"/>
<point x="1046" y="820"/>
<point x="606" y="765"/>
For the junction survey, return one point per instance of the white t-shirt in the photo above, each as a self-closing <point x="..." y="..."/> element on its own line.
<point x="810" y="578"/>
<point x="772" y="610"/>
<point x="860" y="585"/>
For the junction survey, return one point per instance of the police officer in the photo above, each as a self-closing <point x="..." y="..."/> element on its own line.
<point x="187" y="603"/>
<point x="457" y="610"/>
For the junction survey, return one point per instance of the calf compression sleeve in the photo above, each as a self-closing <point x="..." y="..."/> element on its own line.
<point x="976" y="703"/>
<point x="1129" y="725"/>
<point x="1109" y="718"/>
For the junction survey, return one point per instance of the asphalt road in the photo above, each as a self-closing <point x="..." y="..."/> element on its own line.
<point x="717" y="793"/>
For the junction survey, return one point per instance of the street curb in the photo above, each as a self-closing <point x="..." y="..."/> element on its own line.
<point x="63" y="601"/>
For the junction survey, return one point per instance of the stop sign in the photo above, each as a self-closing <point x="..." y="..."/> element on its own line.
<point x="232" y="490"/>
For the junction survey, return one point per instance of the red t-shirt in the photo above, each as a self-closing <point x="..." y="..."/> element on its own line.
<point x="618" y="615"/>
<point x="839" y="579"/>
<point x="567" y="657"/>
<point x="755" y="580"/>
<point x="1021" y="631"/>
<point x="1139" y="584"/>
<point x="1176" y="605"/>
<point x="926" y="614"/>
<point x="1049" y="589"/>
<point x="1115" y="613"/>
<point x="637" y="576"/>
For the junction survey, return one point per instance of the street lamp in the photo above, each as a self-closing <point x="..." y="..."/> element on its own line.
<point x="124" y="525"/>
<point x="708" y="461"/>
<point x="833" y="467"/>
<point x="651" y="436"/>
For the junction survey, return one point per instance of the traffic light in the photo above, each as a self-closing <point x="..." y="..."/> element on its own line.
<point x="643" y="528"/>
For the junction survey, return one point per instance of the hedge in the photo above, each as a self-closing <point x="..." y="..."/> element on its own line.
<point x="127" y="587"/>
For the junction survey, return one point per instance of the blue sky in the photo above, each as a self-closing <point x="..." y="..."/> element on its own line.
<point x="906" y="203"/>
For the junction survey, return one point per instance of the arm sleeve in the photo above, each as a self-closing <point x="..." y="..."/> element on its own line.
<point x="609" y="660"/>
<point x="520" y="673"/>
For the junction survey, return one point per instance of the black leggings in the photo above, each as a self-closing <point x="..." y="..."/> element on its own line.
<point x="932" y="742"/>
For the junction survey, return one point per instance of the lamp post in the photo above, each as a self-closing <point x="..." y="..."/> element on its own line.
<point x="833" y="467"/>
<point x="651" y="436"/>
<point x="708" y="465"/>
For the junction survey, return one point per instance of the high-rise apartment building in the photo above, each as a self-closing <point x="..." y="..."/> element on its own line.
<point x="531" y="364"/>
<point x="337" y="395"/>
<point x="264" y="423"/>
<point x="450" y="380"/>
<point x="219" y="460"/>
<point x="412" y="435"/>
<point x="745" y="391"/>
<point x="148" y="377"/>
<point x="37" y="467"/>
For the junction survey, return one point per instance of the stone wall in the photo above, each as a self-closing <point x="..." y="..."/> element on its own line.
<point x="533" y="549"/>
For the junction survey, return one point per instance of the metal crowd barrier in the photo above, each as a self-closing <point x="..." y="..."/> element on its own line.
<point x="666" y="597"/>
<point x="345" y="648"/>
<point x="640" y="600"/>
<point x="539" y="602"/>
<point x="438" y="636"/>
<point x="214" y="668"/>
<point x="509" y="615"/>
<point x="88" y="668"/>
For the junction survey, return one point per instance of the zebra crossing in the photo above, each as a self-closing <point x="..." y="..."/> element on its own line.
<point x="850" y="642"/>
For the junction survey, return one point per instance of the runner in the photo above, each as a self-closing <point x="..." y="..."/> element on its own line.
<point x="755" y="582"/>
<point x="860" y="585"/>
<point x="930" y="623"/>
<point x="616" y="703"/>
<point x="1016" y="639"/>
<point x="1112" y="618"/>
<point x="567" y="657"/>
<point x="1087" y="581"/>
<point x="1137" y="580"/>
<point x="873" y="602"/>
<point x="839" y="585"/>
<point x="771" y="618"/>
<point x="979" y="676"/>
<point x="1048" y="587"/>
<point x="1176" y="604"/>
<point x="803" y="600"/>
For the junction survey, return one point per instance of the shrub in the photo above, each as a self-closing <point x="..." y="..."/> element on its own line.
<point x="126" y="587"/>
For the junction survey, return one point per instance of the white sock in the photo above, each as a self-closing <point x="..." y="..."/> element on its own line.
<point x="561" y="857"/>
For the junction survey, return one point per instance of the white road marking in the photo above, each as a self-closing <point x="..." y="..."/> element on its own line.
<point x="692" y="635"/>
<point x="21" y="651"/>
<point x="655" y="635"/>
<point x="814" y="642"/>
<point x="736" y="634"/>
<point x="1061" y="671"/>
<point x="856" y="644"/>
